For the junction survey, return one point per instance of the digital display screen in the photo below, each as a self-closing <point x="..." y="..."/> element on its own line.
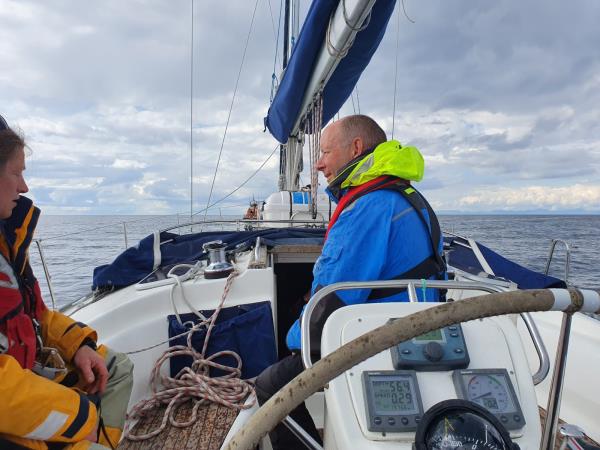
<point x="490" y="390"/>
<point x="393" y="394"/>
<point x="435" y="335"/>
<point x="490" y="402"/>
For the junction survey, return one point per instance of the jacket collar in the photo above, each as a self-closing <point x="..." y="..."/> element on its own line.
<point x="335" y="187"/>
<point x="17" y="231"/>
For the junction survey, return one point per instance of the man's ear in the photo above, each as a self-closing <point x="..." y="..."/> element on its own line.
<point x="358" y="147"/>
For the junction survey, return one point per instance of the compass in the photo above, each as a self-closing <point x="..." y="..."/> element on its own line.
<point x="461" y="424"/>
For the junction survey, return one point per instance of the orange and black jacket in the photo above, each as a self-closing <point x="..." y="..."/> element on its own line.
<point x="31" y="406"/>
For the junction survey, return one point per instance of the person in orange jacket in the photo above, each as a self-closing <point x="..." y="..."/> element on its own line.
<point x="58" y="388"/>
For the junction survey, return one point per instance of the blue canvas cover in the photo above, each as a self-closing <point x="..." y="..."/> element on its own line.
<point x="246" y="330"/>
<point x="463" y="258"/>
<point x="287" y="102"/>
<point x="135" y="263"/>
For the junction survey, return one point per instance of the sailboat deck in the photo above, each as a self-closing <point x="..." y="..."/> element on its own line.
<point x="207" y="433"/>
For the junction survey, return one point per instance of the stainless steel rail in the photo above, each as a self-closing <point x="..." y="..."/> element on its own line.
<point x="540" y="348"/>
<point x="567" y="262"/>
<point x="305" y="212"/>
<point x="301" y="434"/>
<point x="544" y="367"/>
<point x="239" y="222"/>
<point x="554" y="397"/>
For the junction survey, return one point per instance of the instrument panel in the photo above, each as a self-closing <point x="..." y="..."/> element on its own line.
<point x="491" y="344"/>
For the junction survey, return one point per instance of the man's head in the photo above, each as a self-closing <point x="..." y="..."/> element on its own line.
<point x="344" y="140"/>
<point x="12" y="165"/>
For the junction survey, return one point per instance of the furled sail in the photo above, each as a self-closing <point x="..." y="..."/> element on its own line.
<point x="318" y="62"/>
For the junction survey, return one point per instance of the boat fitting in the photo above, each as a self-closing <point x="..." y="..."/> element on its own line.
<point x="218" y="266"/>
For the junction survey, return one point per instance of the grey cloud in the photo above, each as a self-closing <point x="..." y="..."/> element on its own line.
<point x="91" y="83"/>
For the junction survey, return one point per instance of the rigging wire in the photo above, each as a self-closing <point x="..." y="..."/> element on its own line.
<point x="192" y="117"/>
<point x="274" y="80"/>
<point x="272" y="19"/>
<point x="396" y="70"/>
<point x="357" y="99"/>
<point x="230" y="109"/>
<point x="153" y="218"/>
<point x="405" y="14"/>
<point x="396" y="65"/>
<point x="241" y="185"/>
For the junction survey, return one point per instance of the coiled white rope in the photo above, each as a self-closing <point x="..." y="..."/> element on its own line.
<point x="193" y="383"/>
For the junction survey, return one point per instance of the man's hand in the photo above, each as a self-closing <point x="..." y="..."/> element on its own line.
<point x="92" y="368"/>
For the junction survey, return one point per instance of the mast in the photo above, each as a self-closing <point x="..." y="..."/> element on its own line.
<point x="290" y="154"/>
<point x="286" y="40"/>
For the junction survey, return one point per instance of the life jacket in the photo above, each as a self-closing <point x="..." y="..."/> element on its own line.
<point x="432" y="266"/>
<point x="21" y="303"/>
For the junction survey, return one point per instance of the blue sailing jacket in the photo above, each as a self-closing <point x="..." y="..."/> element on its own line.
<point x="377" y="237"/>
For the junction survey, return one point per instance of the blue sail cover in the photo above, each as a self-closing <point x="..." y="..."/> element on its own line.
<point x="287" y="102"/>
<point x="137" y="262"/>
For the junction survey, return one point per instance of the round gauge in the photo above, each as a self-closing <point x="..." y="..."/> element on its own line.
<point x="461" y="424"/>
<point x="489" y="392"/>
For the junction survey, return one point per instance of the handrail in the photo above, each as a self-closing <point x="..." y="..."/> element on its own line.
<point x="237" y="221"/>
<point x="301" y="434"/>
<point x="304" y="212"/>
<point x="540" y="348"/>
<point x="385" y="284"/>
<point x="556" y="385"/>
<point x="567" y="262"/>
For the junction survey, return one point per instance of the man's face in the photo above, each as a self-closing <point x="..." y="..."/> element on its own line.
<point x="12" y="183"/>
<point x="336" y="152"/>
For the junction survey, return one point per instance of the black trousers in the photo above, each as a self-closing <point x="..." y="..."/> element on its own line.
<point x="271" y="380"/>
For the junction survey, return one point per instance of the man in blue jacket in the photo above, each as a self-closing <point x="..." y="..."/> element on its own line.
<point x="382" y="229"/>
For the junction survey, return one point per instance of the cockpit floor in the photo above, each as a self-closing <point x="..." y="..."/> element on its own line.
<point x="207" y="433"/>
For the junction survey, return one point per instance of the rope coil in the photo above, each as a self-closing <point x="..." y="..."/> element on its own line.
<point x="193" y="383"/>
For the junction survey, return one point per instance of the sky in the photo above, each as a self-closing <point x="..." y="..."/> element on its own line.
<point x="502" y="98"/>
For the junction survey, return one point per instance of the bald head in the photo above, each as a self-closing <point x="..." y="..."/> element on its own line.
<point x="346" y="139"/>
<point x="363" y="127"/>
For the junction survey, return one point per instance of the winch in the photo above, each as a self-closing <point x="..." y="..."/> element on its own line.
<point x="218" y="266"/>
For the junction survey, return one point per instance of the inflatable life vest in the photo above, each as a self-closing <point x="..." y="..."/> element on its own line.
<point x="20" y="296"/>
<point x="432" y="266"/>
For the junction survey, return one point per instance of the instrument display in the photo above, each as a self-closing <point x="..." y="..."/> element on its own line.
<point x="437" y="350"/>
<point x="393" y="400"/>
<point x="493" y="390"/>
<point x="432" y="336"/>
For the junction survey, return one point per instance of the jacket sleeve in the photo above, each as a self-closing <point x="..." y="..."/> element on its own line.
<point x="356" y="250"/>
<point x="36" y="408"/>
<point x="63" y="333"/>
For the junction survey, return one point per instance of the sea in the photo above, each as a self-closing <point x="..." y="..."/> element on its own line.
<point x="74" y="245"/>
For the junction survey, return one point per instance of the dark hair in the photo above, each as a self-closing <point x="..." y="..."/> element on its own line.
<point x="363" y="126"/>
<point x="10" y="142"/>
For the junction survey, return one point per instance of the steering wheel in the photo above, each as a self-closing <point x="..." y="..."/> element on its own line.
<point x="399" y="330"/>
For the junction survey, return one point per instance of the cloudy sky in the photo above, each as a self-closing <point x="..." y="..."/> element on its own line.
<point x="502" y="98"/>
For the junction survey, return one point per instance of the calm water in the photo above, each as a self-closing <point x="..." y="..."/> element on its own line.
<point x="74" y="245"/>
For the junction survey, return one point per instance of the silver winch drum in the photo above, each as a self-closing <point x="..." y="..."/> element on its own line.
<point x="218" y="266"/>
